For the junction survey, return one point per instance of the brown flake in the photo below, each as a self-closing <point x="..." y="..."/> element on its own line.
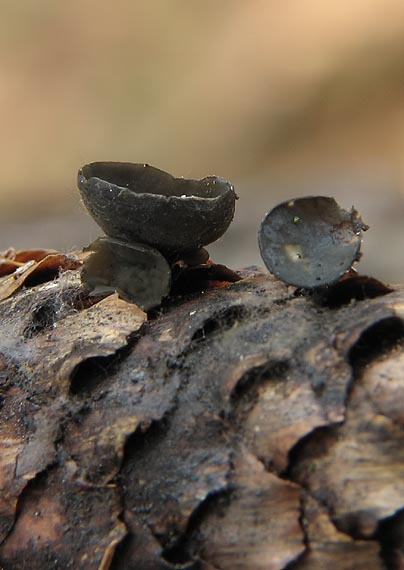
<point x="36" y="271"/>
<point x="330" y="548"/>
<point x="259" y="528"/>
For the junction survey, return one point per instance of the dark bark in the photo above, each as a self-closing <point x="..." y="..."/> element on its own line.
<point x="247" y="427"/>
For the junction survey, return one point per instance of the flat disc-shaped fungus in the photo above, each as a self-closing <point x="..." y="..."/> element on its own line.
<point x="310" y="241"/>
<point x="138" y="273"/>
<point x="137" y="203"/>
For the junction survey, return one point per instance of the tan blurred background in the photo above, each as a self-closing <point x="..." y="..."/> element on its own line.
<point x="282" y="98"/>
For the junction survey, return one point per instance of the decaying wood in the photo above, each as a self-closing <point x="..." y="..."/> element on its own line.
<point x="246" y="427"/>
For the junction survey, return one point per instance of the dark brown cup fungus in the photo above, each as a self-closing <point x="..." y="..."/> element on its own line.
<point x="137" y="203"/>
<point x="138" y="273"/>
<point x="309" y="242"/>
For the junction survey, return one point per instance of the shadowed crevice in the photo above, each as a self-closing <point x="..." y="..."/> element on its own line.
<point x="391" y="537"/>
<point x="379" y="339"/>
<point x="219" y="322"/>
<point x="93" y="372"/>
<point x="184" y="553"/>
<point x="246" y="393"/>
<point x="313" y="445"/>
<point x="357" y="287"/>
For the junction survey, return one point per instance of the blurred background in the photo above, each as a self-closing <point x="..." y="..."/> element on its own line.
<point x="282" y="98"/>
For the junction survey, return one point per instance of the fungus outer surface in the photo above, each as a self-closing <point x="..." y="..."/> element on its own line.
<point x="138" y="273"/>
<point x="310" y="241"/>
<point x="137" y="203"/>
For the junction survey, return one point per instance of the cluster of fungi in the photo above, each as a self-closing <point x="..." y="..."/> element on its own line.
<point x="157" y="226"/>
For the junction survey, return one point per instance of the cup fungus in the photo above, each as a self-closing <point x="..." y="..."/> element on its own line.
<point x="137" y="272"/>
<point x="153" y="221"/>
<point x="309" y="242"/>
<point x="137" y="203"/>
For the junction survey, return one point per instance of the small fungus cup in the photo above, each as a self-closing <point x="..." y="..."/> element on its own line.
<point x="137" y="203"/>
<point x="137" y="272"/>
<point x="310" y="242"/>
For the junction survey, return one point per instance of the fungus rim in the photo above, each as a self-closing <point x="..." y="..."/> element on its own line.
<point x="223" y="185"/>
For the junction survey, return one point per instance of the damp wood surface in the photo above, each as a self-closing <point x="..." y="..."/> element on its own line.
<point x="248" y="426"/>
